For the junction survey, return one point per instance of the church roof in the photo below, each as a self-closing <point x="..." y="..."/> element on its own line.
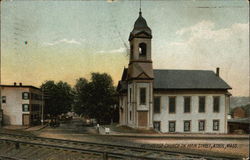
<point x="183" y="79"/>
<point x="188" y="79"/>
<point x="140" y="26"/>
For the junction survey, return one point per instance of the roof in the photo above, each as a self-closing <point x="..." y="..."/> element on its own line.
<point x="240" y="120"/>
<point x="182" y="79"/>
<point x="188" y="79"/>
<point x="122" y="84"/>
<point x="140" y="26"/>
<point x="18" y="86"/>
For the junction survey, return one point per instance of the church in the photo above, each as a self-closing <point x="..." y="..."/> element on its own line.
<point x="169" y="100"/>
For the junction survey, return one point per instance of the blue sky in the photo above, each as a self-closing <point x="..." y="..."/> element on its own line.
<point x="70" y="39"/>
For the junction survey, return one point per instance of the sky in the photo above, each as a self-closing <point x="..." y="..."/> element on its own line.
<point x="66" y="40"/>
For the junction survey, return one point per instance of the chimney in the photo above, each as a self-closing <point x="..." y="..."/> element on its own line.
<point x="218" y="71"/>
<point x="14" y="83"/>
<point x="20" y="84"/>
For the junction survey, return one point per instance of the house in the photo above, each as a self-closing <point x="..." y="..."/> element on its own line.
<point x="192" y="101"/>
<point x="240" y="121"/>
<point x="21" y="104"/>
<point x="238" y="112"/>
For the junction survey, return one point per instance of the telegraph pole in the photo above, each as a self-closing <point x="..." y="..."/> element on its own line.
<point x="1" y="111"/>
<point x="42" y="118"/>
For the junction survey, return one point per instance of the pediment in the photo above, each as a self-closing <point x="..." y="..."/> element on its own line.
<point x="143" y="75"/>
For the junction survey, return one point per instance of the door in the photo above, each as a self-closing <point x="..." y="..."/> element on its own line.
<point x="26" y="119"/>
<point x="142" y="118"/>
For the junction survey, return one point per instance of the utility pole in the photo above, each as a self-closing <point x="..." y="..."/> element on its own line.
<point x="42" y="118"/>
<point x="1" y="111"/>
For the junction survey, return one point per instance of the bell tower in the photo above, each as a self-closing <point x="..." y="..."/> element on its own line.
<point x="140" y="75"/>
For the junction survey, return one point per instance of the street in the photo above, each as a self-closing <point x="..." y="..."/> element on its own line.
<point x="76" y="130"/>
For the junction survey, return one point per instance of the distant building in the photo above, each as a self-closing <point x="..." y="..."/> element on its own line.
<point x="239" y="125"/>
<point x="21" y="104"/>
<point x="195" y="101"/>
<point x="240" y="121"/>
<point x="238" y="112"/>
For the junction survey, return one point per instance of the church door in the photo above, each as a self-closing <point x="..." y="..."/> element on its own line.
<point x="142" y="118"/>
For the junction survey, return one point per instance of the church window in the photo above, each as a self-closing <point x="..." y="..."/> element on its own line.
<point x="130" y="94"/>
<point x="142" y="49"/>
<point x="171" y="104"/>
<point x="202" y="104"/>
<point x="157" y="104"/>
<point x="171" y="126"/>
<point x="187" y="101"/>
<point x="157" y="125"/>
<point x="187" y="125"/>
<point x="130" y="115"/>
<point x="142" y="96"/>
<point x="216" y="124"/>
<point x="216" y="104"/>
<point x="202" y="125"/>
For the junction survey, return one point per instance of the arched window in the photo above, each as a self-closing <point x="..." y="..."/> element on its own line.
<point x="142" y="49"/>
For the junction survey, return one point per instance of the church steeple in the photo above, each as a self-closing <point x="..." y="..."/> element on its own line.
<point x="140" y="75"/>
<point x="140" y="26"/>
<point x="140" y="49"/>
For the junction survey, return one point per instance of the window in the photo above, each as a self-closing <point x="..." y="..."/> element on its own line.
<point x="26" y="95"/>
<point x="202" y="104"/>
<point x="3" y="99"/>
<point x="142" y="49"/>
<point x="130" y="94"/>
<point x="35" y="107"/>
<point x="202" y="125"/>
<point x="157" y="125"/>
<point x="187" y="125"/>
<point x="171" y="104"/>
<point x="216" y="104"/>
<point x="216" y="125"/>
<point x="26" y="108"/>
<point x="32" y="96"/>
<point x="171" y="126"/>
<point x="187" y="101"/>
<point x="130" y="115"/>
<point x="142" y="95"/>
<point x="157" y="104"/>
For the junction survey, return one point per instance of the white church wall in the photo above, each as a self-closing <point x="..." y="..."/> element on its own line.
<point x="194" y="116"/>
<point x="131" y="109"/>
<point x="142" y="107"/>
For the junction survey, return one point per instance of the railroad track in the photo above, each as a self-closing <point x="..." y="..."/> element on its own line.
<point x="98" y="150"/>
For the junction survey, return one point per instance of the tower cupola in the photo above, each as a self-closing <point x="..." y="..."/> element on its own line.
<point x="140" y="27"/>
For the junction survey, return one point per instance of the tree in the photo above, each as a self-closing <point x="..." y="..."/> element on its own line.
<point x="97" y="98"/>
<point x="80" y="95"/>
<point x="58" y="97"/>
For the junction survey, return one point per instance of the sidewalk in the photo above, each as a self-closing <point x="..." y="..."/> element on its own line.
<point x="24" y="128"/>
<point x="36" y="128"/>
<point x="117" y="131"/>
<point x="15" y="127"/>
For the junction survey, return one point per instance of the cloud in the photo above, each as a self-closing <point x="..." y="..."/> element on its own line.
<point x="67" y="41"/>
<point x="119" y="50"/>
<point x="205" y="46"/>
